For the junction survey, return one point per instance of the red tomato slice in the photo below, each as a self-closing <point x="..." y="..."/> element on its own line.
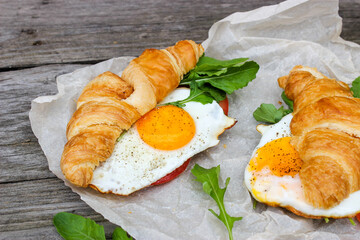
<point x="358" y="217"/>
<point x="224" y="104"/>
<point x="173" y="174"/>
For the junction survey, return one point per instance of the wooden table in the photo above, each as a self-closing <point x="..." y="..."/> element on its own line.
<point x="41" y="39"/>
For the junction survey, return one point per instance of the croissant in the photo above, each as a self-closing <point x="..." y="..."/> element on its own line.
<point x="325" y="131"/>
<point x="109" y="105"/>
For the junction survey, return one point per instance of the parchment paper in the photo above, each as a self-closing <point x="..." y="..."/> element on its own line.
<point x="277" y="37"/>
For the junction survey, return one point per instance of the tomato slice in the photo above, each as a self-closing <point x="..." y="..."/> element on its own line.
<point x="358" y="217"/>
<point x="224" y="104"/>
<point x="173" y="174"/>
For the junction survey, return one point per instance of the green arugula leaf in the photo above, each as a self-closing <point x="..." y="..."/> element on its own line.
<point x="234" y="78"/>
<point x="74" y="227"/>
<point x="121" y="135"/>
<point x="120" y="234"/>
<point x="214" y="67"/>
<point x="215" y="93"/>
<point x="202" y="95"/>
<point x="254" y="204"/>
<point x="288" y="102"/>
<point x="355" y="88"/>
<point x="208" y="61"/>
<point x="352" y="221"/>
<point x="212" y="79"/>
<point x="326" y="220"/>
<point x="210" y="180"/>
<point x="269" y="113"/>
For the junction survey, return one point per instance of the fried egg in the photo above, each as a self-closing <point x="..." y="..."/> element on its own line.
<point x="272" y="175"/>
<point x="160" y="142"/>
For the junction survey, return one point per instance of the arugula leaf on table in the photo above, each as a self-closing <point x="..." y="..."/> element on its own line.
<point x="270" y="114"/>
<point x="210" y="181"/>
<point x="212" y="79"/>
<point x="74" y="227"/>
<point x="120" y="234"/>
<point x="355" y="88"/>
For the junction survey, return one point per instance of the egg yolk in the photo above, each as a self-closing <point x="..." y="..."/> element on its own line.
<point x="166" y="128"/>
<point x="279" y="156"/>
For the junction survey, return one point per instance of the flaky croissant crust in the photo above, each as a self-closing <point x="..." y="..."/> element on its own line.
<point x="326" y="131"/>
<point x="110" y="104"/>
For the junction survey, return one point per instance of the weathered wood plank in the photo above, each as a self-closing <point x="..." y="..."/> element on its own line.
<point x="349" y="10"/>
<point x="39" y="32"/>
<point x="27" y="204"/>
<point x="23" y="162"/>
<point x="20" y="154"/>
<point x="27" y="209"/>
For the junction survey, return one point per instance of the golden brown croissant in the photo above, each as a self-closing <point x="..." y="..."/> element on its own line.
<point x="109" y="105"/>
<point x="326" y="131"/>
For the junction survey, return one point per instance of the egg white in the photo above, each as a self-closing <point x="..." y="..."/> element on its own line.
<point x="287" y="191"/>
<point x="134" y="165"/>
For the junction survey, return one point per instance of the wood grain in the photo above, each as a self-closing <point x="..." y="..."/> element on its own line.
<point x="36" y="32"/>
<point x="32" y="206"/>
<point x="18" y="145"/>
<point x="41" y="39"/>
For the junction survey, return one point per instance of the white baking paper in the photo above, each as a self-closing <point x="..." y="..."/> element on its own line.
<point x="277" y="37"/>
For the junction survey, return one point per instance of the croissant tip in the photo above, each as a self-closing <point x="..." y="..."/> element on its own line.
<point x="80" y="176"/>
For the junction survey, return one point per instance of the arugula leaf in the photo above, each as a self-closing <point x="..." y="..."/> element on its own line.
<point x="208" y="61"/>
<point x="120" y="234"/>
<point x="196" y="95"/>
<point x="210" y="180"/>
<point x="288" y="102"/>
<point x="355" y="88"/>
<point x="74" y="227"/>
<point x="211" y="66"/>
<point x="212" y="79"/>
<point x="121" y="135"/>
<point x="234" y="78"/>
<point x="269" y="113"/>
<point x="254" y="204"/>
<point x="352" y="221"/>
<point x="217" y="94"/>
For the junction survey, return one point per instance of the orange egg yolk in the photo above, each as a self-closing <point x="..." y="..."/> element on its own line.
<point x="166" y="128"/>
<point x="279" y="156"/>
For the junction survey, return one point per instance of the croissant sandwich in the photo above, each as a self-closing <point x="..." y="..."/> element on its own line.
<point x="110" y="105"/>
<point x="120" y="139"/>
<point x="317" y="149"/>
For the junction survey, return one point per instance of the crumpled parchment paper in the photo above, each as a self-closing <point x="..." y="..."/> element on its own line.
<point x="277" y="37"/>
